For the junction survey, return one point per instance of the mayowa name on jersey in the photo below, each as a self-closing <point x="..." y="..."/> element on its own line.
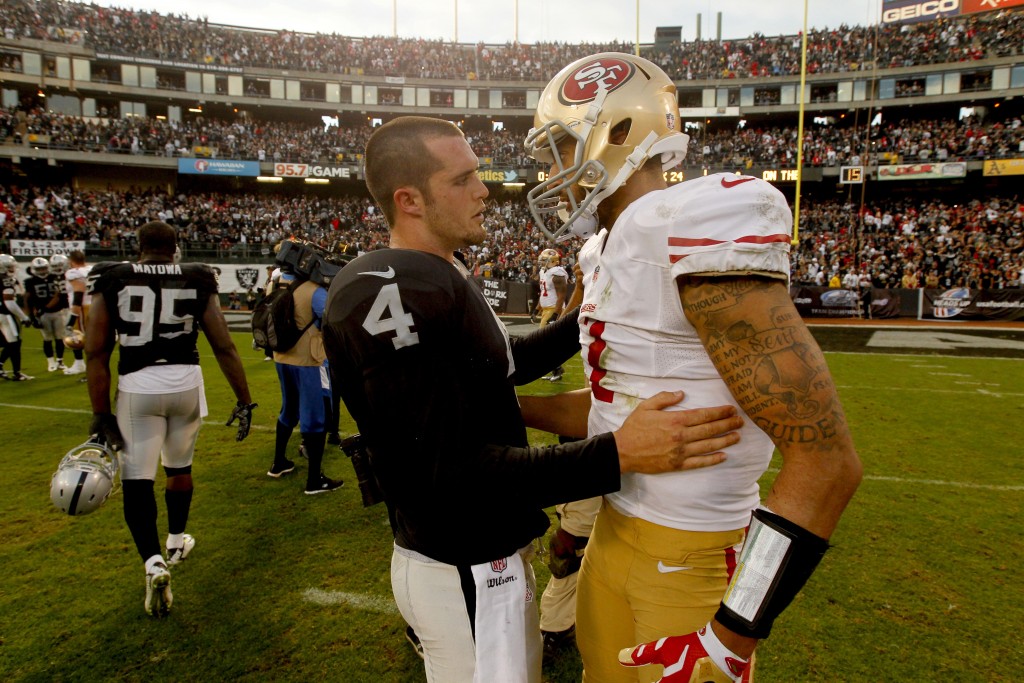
<point x="157" y="268"/>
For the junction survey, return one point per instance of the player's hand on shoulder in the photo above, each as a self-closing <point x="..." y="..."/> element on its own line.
<point x="698" y="657"/>
<point x="654" y="440"/>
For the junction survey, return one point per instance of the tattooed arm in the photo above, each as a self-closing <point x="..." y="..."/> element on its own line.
<point x="776" y="371"/>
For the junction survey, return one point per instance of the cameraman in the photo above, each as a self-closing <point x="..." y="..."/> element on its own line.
<point x="302" y="403"/>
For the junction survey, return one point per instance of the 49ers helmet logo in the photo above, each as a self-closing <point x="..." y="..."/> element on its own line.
<point x="583" y="84"/>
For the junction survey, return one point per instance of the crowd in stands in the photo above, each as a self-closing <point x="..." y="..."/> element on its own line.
<point x="896" y="242"/>
<point x="202" y="136"/>
<point x="907" y="141"/>
<point x="913" y="242"/>
<point x="193" y="40"/>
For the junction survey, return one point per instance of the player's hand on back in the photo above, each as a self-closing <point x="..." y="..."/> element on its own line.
<point x="654" y="440"/>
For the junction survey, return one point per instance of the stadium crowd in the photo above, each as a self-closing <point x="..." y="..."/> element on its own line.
<point x="241" y="139"/>
<point x="896" y="242"/>
<point x="829" y="145"/>
<point x="194" y="40"/>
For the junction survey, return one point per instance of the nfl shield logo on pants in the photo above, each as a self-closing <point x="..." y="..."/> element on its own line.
<point x="499" y="565"/>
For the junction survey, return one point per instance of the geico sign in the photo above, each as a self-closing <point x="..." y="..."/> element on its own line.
<point x="921" y="10"/>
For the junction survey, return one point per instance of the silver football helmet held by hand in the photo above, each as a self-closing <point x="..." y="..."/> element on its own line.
<point x="84" y="479"/>
<point x="598" y="121"/>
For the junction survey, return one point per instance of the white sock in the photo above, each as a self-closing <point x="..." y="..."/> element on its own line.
<point x="154" y="560"/>
<point x="175" y="541"/>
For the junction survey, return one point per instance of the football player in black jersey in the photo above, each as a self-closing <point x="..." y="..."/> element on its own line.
<point x="429" y="372"/>
<point x="46" y="304"/>
<point x="11" y="320"/>
<point x="154" y="310"/>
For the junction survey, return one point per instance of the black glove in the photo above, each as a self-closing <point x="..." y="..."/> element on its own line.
<point x="104" y="430"/>
<point x="565" y="553"/>
<point x="243" y="411"/>
<point x="36" y="322"/>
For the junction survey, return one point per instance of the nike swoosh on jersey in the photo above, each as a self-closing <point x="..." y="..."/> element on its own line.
<point x="665" y="569"/>
<point x="734" y="183"/>
<point x="386" y="274"/>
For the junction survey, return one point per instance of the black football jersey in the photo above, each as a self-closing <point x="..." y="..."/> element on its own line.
<point x="428" y="372"/>
<point x="155" y="310"/>
<point x="39" y="291"/>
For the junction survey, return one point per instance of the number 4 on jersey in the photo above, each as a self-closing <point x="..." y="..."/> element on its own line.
<point x="398" y="321"/>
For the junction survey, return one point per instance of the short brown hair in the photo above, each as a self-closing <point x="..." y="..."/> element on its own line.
<point x="76" y="256"/>
<point x="397" y="156"/>
<point x="157" y="237"/>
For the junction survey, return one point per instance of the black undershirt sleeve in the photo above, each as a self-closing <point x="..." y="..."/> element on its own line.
<point x="541" y="351"/>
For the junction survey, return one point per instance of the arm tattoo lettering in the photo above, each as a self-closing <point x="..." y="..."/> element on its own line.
<point x="766" y="356"/>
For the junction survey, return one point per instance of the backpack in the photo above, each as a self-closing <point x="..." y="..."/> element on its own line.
<point x="273" y="321"/>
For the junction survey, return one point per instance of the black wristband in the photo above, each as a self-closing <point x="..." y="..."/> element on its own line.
<point x="777" y="553"/>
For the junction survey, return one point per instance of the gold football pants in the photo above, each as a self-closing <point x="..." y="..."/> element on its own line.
<point x="641" y="581"/>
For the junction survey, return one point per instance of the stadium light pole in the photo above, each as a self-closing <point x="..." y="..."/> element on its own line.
<point x="636" y="45"/>
<point x="800" y="132"/>
<point x="456" y="22"/>
<point x="394" y="18"/>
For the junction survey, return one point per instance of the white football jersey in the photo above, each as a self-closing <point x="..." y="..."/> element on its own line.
<point x="77" y="274"/>
<point x="548" y="295"/>
<point x="637" y="341"/>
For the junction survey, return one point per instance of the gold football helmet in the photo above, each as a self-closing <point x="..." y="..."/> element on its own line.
<point x="75" y="340"/>
<point x="578" y="110"/>
<point x="548" y="258"/>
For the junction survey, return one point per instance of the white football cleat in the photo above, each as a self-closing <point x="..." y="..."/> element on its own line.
<point x="77" y="368"/>
<point x="176" y="555"/>
<point x="51" y="364"/>
<point x="158" y="590"/>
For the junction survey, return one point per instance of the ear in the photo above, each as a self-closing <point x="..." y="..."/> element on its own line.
<point x="409" y="201"/>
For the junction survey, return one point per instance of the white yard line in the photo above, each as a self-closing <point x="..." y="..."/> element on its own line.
<point x="360" y="601"/>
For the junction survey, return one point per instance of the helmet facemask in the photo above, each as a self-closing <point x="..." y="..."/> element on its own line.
<point x="554" y="195"/>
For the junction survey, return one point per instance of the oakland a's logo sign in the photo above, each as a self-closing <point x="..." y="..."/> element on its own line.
<point x="583" y="84"/>
<point x="247" y="277"/>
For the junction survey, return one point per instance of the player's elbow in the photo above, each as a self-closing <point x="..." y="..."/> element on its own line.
<point x="843" y="474"/>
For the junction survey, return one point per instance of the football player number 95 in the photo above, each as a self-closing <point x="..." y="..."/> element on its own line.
<point x="136" y="304"/>
<point x="398" y="321"/>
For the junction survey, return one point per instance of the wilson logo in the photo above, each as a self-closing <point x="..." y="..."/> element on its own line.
<point x="500" y="581"/>
<point x="607" y="73"/>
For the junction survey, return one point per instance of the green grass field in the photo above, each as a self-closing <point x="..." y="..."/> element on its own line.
<point x="923" y="582"/>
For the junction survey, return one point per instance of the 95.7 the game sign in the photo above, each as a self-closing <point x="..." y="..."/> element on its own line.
<point x="285" y="170"/>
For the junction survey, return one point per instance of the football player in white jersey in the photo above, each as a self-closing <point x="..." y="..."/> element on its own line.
<point x="686" y="288"/>
<point x="554" y="282"/>
<point x="76" y="278"/>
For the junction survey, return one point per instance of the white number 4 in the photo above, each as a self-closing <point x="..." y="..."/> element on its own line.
<point x="399" y="322"/>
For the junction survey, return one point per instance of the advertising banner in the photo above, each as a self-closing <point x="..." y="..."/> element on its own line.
<point x="914" y="11"/>
<point x="823" y="302"/>
<point x="45" y="248"/>
<point x="972" y="6"/>
<point x="961" y="303"/>
<point x="311" y="171"/>
<point x="956" y="169"/>
<point x="998" y="167"/>
<point x="224" y="167"/>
